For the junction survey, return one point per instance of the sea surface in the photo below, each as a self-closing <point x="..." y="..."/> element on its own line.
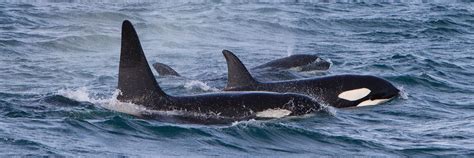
<point x="59" y="68"/>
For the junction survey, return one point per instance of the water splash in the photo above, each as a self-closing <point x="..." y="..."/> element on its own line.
<point x="246" y="122"/>
<point x="115" y="105"/>
<point x="290" y="49"/>
<point x="403" y="93"/>
<point x="195" y="84"/>
<point x="110" y="103"/>
<point x="80" y="94"/>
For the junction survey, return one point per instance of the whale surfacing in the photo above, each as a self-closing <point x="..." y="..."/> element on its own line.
<point x="338" y="91"/>
<point x="138" y="86"/>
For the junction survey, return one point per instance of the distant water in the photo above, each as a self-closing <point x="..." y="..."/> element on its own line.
<point x="59" y="68"/>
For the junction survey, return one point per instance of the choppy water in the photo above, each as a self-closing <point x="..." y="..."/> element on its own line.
<point x="59" y="68"/>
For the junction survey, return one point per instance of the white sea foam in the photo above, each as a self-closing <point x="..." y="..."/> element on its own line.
<point x="193" y="84"/>
<point x="83" y="94"/>
<point x="115" y="105"/>
<point x="403" y="93"/>
<point x="80" y="94"/>
<point x="329" y="109"/>
<point x="246" y="122"/>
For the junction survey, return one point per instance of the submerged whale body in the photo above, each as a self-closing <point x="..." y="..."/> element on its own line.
<point x="302" y="62"/>
<point x="337" y="91"/>
<point x="138" y="86"/>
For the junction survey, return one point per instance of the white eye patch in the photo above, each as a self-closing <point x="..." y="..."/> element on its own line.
<point x="355" y="94"/>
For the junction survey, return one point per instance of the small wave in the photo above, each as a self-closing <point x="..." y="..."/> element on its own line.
<point x="399" y="56"/>
<point x="60" y="100"/>
<point x="429" y="81"/>
<point x="275" y="27"/>
<point x="445" y="31"/>
<point x="16" y="22"/>
<point x="389" y="34"/>
<point x="376" y="23"/>
<point x="268" y="10"/>
<point x="444" y="23"/>
<point x="82" y="43"/>
<point x="11" y="42"/>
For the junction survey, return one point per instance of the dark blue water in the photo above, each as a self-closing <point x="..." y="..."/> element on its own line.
<point x="59" y="68"/>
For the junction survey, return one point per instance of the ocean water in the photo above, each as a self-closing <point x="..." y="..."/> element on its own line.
<point x="59" y="68"/>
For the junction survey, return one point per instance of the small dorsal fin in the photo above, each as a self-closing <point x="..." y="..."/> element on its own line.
<point x="237" y="73"/>
<point x="164" y="70"/>
<point x="136" y="81"/>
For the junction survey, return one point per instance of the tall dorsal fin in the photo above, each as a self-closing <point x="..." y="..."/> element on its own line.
<point x="136" y="81"/>
<point x="237" y="73"/>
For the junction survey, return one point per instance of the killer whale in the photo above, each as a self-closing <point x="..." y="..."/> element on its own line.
<point x="338" y="91"/>
<point x="138" y="85"/>
<point x="301" y="62"/>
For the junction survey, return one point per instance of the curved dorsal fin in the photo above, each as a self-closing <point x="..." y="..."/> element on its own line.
<point x="237" y="73"/>
<point x="136" y="81"/>
<point x="164" y="70"/>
